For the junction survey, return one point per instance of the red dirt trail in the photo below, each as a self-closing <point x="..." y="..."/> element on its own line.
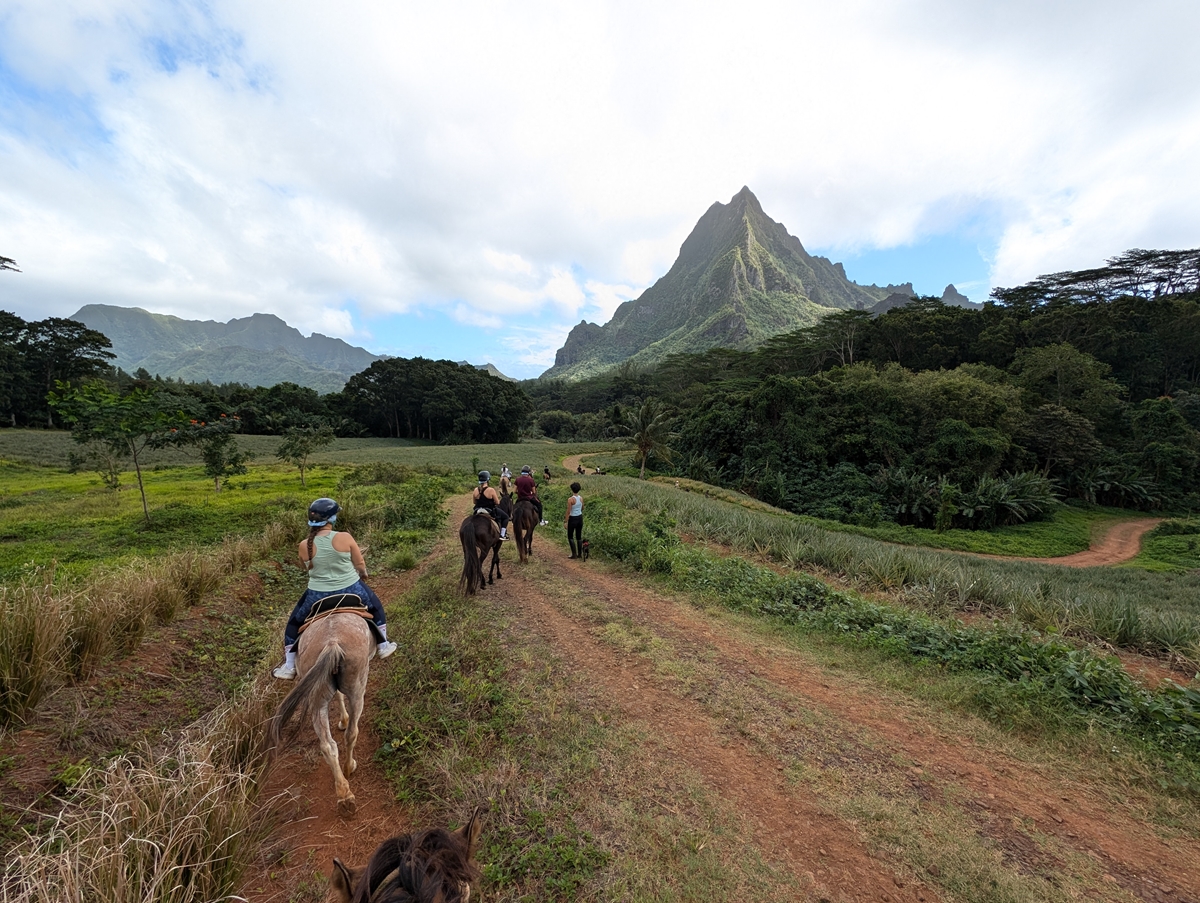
<point x="828" y="855"/>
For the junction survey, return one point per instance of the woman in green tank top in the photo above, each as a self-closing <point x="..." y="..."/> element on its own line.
<point x="335" y="564"/>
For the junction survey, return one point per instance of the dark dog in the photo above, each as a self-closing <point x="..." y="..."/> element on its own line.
<point x="585" y="549"/>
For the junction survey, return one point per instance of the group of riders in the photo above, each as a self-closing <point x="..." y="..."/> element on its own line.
<point x="490" y="501"/>
<point x="336" y="567"/>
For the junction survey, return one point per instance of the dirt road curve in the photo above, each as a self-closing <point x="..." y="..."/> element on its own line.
<point x="1120" y="543"/>
<point x="839" y="730"/>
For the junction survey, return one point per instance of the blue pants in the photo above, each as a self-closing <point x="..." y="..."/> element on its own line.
<point x="300" y="612"/>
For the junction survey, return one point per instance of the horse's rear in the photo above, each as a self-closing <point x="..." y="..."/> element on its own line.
<point x="332" y="667"/>
<point x="478" y="535"/>
<point x="525" y="521"/>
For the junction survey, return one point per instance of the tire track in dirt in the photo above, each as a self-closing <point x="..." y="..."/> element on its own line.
<point x="823" y="852"/>
<point x="998" y="787"/>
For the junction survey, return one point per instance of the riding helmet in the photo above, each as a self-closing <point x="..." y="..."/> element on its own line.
<point x="484" y="476"/>
<point x="322" y="511"/>
<point x="526" y="469"/>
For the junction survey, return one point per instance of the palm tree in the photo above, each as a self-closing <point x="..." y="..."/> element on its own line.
<point x="649" y="431"/>
<point x="7" y="263"/>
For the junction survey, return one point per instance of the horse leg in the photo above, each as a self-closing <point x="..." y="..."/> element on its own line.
<point x="356" y="707"/>
<point x="482" y="558"/>
<point x="496" y="562"/>
<point x="339" y="699"/>
<point x="329" y="750"/>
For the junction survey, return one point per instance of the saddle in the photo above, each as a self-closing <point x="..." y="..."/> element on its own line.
<point x="346" y="603"/>
<point x="487" y="511"/>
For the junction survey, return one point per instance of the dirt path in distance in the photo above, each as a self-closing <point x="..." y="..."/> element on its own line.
<point x="1119" y="543"/>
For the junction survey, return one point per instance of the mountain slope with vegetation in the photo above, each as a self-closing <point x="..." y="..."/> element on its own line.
<point x="740" y="278"/>
<point x="259" y="350"/>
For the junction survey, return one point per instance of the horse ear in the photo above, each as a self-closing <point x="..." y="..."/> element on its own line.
<point x="343" y="880"/>
<point x="470" y="832"/>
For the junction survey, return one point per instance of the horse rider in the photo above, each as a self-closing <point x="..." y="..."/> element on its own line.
<point x="505" y="473"/>
<point x="487" y="501"/>
<point x="335" y="565"/>
<point x="546" y="473"/>
<point x="527" y="489"/>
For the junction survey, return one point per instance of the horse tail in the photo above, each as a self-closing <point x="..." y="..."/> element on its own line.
<point x="472" y="572"/>
<point x="325" y="674"/>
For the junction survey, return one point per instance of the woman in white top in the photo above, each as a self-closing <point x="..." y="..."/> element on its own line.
<point x="574" y="521"/>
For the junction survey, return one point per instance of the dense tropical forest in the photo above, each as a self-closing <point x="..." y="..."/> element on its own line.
<point x="1080" y="386"/>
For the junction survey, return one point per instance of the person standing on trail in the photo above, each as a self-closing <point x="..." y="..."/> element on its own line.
<point x="335" y="565"/>
<point x="487" y="501"/>
<point x="574" y="521"/>
<point x="527" y="489"/>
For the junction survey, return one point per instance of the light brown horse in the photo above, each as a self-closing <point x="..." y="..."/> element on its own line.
<point x="479" y="535"/>
<point x="331" y="669"/>
<point x="524" y="522"/>
<point x="434" y="866"/>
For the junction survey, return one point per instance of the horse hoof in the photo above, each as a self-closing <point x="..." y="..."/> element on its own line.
<point x="347" y="806"/>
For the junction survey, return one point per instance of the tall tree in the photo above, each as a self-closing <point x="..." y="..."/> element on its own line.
<point x="59" y="350"/>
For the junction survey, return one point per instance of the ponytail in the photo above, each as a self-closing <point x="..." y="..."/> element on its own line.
<point x="312" y="533"/>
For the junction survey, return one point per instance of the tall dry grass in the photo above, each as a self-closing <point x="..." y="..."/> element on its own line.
<point x="53" y="631"/>
<point x="174" y="827"/>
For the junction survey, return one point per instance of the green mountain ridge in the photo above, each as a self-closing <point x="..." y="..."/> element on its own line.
<point x="259" y="350"/>
<point x="739" y="279"/>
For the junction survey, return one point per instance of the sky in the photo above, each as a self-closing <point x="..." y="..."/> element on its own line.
<point x="470" y="180"/>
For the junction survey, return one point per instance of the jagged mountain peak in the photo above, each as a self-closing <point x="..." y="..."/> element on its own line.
<point x="740" y="278"/>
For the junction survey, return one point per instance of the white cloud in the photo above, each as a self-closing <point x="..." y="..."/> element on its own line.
<point x="495" y="162"/>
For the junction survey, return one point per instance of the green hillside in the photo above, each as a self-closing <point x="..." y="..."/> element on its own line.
<point x="740" y="278"/>
<point x="260" y="350"/>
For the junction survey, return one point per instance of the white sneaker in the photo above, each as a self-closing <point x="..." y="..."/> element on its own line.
<point x="503" y="538"/>
<point x="544" y="523"/>
<point x="285" y="672"/>
<point x="384" y="649"/>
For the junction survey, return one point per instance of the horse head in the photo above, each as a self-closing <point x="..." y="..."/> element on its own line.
<point x="435" y="866"/>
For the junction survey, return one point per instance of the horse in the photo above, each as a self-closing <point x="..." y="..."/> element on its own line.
<point x="331" y="668"/>
<point x="479" y="535"/>
<point x="524" y="521"/>
<point x="435" y="866"/>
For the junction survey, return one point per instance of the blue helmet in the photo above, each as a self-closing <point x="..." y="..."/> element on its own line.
<point x="484" y="476"/>
<point x="322" y="511"/>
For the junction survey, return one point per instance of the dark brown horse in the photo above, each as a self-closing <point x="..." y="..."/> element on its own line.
<point x="434" y="866"/>
<point x="479" y="535"/>
<point x="524" y="522"/>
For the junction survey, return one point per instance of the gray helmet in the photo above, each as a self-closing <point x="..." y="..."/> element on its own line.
<point x="322" y="511"/>
<point x="484" y="476"/>
<point x="526" y="469"/>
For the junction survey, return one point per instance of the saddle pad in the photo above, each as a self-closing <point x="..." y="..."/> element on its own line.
<point x="334" y="603"/>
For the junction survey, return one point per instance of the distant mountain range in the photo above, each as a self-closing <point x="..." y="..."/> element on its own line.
<point x="740" y="278"/>
<point x="951" y="297"/>
<point x="258" y="350"/>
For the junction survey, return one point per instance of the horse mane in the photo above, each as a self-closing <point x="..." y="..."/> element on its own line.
<point x="426" y="867"/>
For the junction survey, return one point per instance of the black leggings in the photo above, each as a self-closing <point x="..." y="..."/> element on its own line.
<point x="575" y="533"/>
